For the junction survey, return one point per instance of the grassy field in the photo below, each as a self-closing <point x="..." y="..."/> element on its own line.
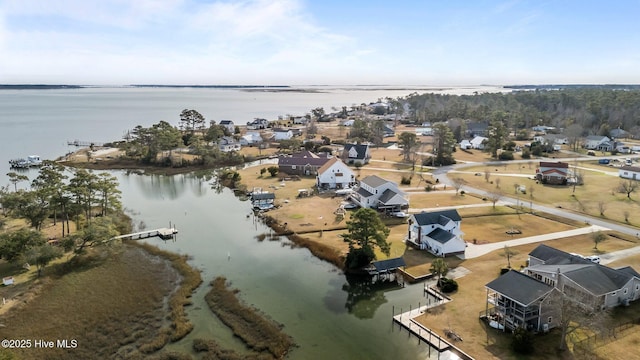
<point x="598" y="193"/>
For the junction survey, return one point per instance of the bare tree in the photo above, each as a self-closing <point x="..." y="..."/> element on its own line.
<point x="602" y="207"/>
<point x="487" y="174"/>
<point x="627" y="187"/>
<point x="626" y="215"/>
<point x="458" y="183"/>
<point x="495" y="196"/>
<point x="497" y="181"/>
<point x="508" y="253"/>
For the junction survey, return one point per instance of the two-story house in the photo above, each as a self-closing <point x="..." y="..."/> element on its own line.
<point x="335" y="174"/>
<point x="378" y="193"/>
<point x="595" y="142"/>
<point x="437" y="232"/>
<point x="228" y="144"/>
<point x="282" y="134"/>
<point x="258" y="124"/>
<point x="356" y="154"/>
<point x="229" y="125"/>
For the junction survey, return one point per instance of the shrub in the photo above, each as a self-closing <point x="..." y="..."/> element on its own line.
<point x="273" y="170"/>
<point x="448" y="285"/>
<point x="406" y="180"/>
<point x="462" y="192"/>
<point x="506" y="155"/>
<point x="428" y="188"/>
<point x="526" y="154"/>
<point x="522" y="341"/>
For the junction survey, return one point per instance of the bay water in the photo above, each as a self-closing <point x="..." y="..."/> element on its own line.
<point x="329" y="316"/>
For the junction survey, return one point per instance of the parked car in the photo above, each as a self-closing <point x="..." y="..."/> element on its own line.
<point x="594" y="258"/>
<point x="349" y="205"/>
<point x="399" y="214"/>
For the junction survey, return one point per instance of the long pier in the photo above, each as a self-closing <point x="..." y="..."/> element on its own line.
<point x="83" y="143"/>
<point x="163" y="233"/>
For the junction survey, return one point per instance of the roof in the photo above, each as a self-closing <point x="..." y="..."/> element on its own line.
<point x="553" y="256"/>
<point x="597" y="138"/>
<point x="226" y="122"/>
<point x="361" y="150"/>
<point x="374" y="181"/>
<point x="364" y="192"/>
<point x="440" y="235"/>
<point x="595" y="278"/>
<point x="519" y="287"/>
<point x="629" y="270"/>
<point x="263" y="196"/>
<point x="389" y="264"/>
<point x="560" y="165"/>
<point x="434" y="217"/>
<point x="387" y="195"/>
<point x="302" y="158"/>
<point x="630" y="168"/>
<point x="327" y="165"/>
<point x="281" y="130"/>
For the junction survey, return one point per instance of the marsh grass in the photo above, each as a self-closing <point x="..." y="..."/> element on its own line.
<point x="258" y="333"/>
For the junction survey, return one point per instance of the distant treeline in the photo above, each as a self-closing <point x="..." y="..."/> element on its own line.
<point x="211" y="86"/>
<point x="574" y="86"/>
<point x="37" y="87"/>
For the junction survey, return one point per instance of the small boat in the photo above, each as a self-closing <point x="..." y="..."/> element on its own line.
<point x="29" y="161"/>
<point x="496" y="325"/>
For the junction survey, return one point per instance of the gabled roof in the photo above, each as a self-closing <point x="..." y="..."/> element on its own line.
<point x="361" y="150"/>
<point x="629" y="270"/>
<point x="226" y="122"/>
<point x="302" y="158"/>
<point x="263" y="196"/>
<point x="364" y="192"/>
<point x="597" y="138"/>
<point x="554" y="171"/>
<point x="374" y="181"/>
<point x="595" y="278"/>
<point x="428" y="218"/>
<point x="327" y="165"/>
<point x="281" y="130"/>
<point x="387" y="195"/>
<point x="553" y="256"/>
<point x="519" y="287"/>
<point x="440" y="235"/>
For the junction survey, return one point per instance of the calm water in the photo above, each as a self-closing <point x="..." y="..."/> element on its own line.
<point x="328" y="317"/>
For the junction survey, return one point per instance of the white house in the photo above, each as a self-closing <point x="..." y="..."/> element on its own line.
<point x="228" y="144"/>
<point x="300" y="120"/>
<point x="629" y="172"/>
<point x="437" y="232"/>
<point x="251" y="138"/>
<point x="356" y="153"/>
<point x="258" y="124"/>
<point x="378" y="193"/>
<point x="229" y="125"/>
<point x="478" y="142"/>
<point x="282" y="134"/>
<point x="597" y="143"/>
<point x="465" y="144"/>
<point x="335" y="174"/>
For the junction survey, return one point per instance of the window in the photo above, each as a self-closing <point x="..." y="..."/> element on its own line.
<point x="293" y="167"/>
<point x="625" y="291"/>
<point x="549" y="319"/>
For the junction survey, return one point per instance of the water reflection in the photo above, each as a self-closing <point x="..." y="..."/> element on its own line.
<point x="172" y="187"/>
<point x="364" y="296"/>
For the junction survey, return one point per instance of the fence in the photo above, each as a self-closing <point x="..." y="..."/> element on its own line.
<point x="586" y="346"/>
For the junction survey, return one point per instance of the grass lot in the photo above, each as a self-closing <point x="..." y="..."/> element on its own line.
<point x="599" y="189"/>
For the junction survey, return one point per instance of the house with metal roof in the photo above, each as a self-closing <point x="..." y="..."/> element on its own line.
<point x="629" y="172"/>
<point x="378" y="193"/>
<point x="437" y="232"/>
<point x="356" y="154"/>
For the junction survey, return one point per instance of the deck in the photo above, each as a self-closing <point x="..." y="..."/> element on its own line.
<point x="163" y="233"/>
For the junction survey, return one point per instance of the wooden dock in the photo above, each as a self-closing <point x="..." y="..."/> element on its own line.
<point x="163" y="233"/>
<point x="83" y="143"/>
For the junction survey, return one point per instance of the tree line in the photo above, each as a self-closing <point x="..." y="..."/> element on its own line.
<point x="91" y="201"/>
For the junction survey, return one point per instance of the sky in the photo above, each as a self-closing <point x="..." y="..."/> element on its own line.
<point x="319" y="42"/>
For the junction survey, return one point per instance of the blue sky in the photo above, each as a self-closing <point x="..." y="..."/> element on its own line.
<point x="301" y="42"/>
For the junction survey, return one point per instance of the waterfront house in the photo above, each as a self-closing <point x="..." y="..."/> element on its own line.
<point x="302" y="163"/>
<point x="263" y="200"/>
<point x="335" y="174"/>
<point x="516" y="300"/>
<point x="356" y="154"/>
<point x="629" y="172"/>
<point x="378" y="193"/>
<point x="555" y="173"/>
<point x="228" y="144"/>
<point x="258" y="124"/>
<point x="229" y="125"/>
<point x="437" y="232"/>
